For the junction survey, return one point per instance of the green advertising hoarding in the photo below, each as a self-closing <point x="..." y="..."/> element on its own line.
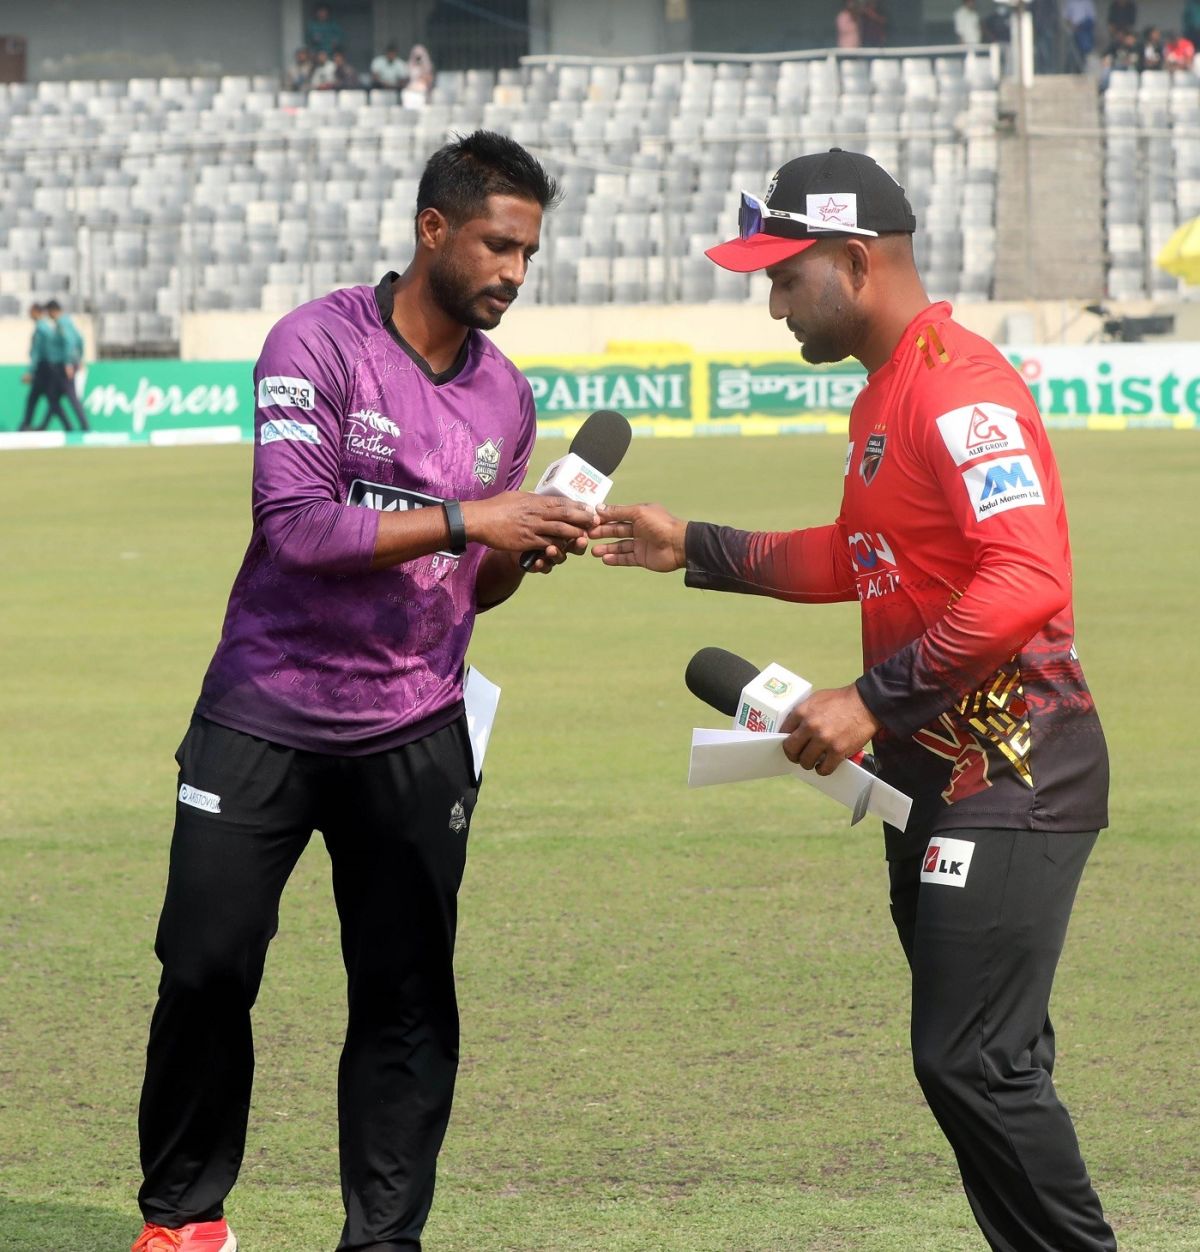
<point x="782" y="388"/>
<point x="667" y="393"/>
<point x="150" y="401"/>
<point x="573" y="387"/>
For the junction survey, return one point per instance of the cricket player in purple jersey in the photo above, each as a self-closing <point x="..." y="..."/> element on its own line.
<point x="391" y="440"/>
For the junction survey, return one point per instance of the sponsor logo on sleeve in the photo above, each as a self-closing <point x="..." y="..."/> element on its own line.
<point x="288" y="428"/>
<point x="947" y="862"/>
<point x="997" y="486"/>
<point x="199" y="799"/>
<point x="874" y="564"/>
<point x="287" y="393"/>
<point x="833" y="211"/>
<point x="849" y="454"/>
<point x="982" y="429"/>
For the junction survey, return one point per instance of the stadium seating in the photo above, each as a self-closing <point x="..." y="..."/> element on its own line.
<point x="1151" y="177"/>
<point x="172" y="195"/>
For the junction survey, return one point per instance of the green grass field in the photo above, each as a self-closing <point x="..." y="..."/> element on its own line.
<point x="684" y="1013"/>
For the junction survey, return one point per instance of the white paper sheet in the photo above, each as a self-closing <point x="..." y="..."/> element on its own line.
<point x="726" y="756"/>
<point x="480" y="696"/>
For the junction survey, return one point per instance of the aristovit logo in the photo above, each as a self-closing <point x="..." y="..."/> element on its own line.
<point x="199" y="799"/>
<point x="289" y="393"/>
<point x="997" y="486"/>
<point x="977" y="430"/>
<point x="947" y="862"/>
<point x="288" y="428"/>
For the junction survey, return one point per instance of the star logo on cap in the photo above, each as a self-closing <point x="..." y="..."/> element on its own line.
<point x="831" y="209"/>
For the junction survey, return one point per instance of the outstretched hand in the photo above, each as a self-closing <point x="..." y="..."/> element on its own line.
<point x="520" y="521"/>
<point x="643" y="534"/>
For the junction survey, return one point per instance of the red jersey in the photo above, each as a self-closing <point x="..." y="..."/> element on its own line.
<point x="953" y="537"/>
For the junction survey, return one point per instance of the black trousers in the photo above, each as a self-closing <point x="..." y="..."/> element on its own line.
<point x="64" y="387"/>
<point x="983" y="928"/>
<point x="42" y="386"/>
<point x="395" y="824"/>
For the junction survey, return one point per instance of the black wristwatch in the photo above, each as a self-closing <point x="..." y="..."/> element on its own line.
<point x="458" y="529"/>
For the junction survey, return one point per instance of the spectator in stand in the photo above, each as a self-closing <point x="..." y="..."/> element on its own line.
<point x="66" y="356"/>
<point x="420" y="78"/>
<point x="344" y="74"/>
<point x="387" y="70"/>
<point x="872" y="23"/>
<point x="846" y="23"/>
<point x="39" y="377"/>
<point x="1178" y="52"/>
<point x="1152" y="49"/>
<point x="1123" y="55"/>
<point x="299" y="76"/>
<point x="420" y="69"/>
<point x="323" y="33"/>
<point x="1122" y="16"/>
<point x="967" y="26"/>
<point x="1080" y="17"/>
<point x="324" y="75"/>
<point x="1047" y="36"/>
<point x="996" y="28"/>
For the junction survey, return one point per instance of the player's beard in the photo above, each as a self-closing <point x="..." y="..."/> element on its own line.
<point x="455" y="294"/>
<point x="840" y="328"/>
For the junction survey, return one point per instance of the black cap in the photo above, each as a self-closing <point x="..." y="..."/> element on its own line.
<point x="841" y="193"/>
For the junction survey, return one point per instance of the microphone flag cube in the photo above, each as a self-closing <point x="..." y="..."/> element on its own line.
<point x="574" y="479"/>
<point x="769" y="698"/>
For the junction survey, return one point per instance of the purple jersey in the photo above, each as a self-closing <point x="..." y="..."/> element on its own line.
<point x="318" y="651"/>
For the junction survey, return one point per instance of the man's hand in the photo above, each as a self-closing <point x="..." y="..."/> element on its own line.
<point x="825" y="729"/>
<point x="509" y="524"/>
<point x="644" y="534"/>
<point x="518" y="521"/>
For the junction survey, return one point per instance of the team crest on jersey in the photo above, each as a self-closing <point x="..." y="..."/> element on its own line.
<point x="872" y="456"/>
<point x="487" y="461"/>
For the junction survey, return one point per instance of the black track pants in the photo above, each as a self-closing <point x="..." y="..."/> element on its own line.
<point x="395" y="824"/>
<point x="982" y="920"/>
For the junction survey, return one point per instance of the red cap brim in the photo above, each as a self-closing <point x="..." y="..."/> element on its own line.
<point x="743" y="256"/>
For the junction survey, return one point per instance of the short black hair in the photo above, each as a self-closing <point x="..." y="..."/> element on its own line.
<point x="460" y="176"/>
<point x="52" y="304"/>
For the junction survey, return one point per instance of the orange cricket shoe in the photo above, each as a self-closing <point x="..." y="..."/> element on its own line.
<point x="194" y="1237"/>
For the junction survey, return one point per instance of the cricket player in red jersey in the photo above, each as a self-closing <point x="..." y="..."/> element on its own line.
<point x="952" y="535"/>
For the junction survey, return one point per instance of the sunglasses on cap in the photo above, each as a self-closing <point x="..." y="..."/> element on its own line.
<point x="754" y="217"/>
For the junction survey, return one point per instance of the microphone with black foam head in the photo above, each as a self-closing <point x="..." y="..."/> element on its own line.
<point x="585" y="473"/>
<point x="757" y="700"/>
